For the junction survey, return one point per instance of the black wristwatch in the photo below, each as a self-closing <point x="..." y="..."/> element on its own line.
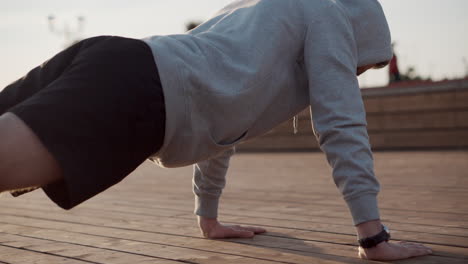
<point x="370" y="242"/>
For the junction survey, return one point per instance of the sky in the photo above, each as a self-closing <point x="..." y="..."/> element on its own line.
<point x="430" y="35"/>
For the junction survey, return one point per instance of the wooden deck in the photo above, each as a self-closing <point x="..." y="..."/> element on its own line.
<point x="148" y="217"/>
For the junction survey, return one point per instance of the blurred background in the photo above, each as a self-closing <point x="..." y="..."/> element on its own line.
<point x="430" y="35"/>
<point x="421" y="101"/>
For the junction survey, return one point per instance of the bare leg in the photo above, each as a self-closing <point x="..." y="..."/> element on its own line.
<point x="24" y="161"/>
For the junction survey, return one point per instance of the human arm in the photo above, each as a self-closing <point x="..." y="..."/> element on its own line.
<point x="338" y="116"/>
<point x="339" y="121"/>
<point x="209" y="179"/>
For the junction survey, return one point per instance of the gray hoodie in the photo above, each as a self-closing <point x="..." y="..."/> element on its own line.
<point x="256" y="64"/>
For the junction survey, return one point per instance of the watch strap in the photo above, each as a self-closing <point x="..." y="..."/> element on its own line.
<point x="373" y="241"/>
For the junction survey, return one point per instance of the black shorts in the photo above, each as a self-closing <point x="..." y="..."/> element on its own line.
<point x="98" y="107"/>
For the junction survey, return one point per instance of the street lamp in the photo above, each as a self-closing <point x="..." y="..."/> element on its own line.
<point x="71" y="35"/>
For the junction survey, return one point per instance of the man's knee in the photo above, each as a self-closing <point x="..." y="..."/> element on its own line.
<point x="24" y="160"/>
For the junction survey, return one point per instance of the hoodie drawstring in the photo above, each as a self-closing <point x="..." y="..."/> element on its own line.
<point x="295" y="124"/>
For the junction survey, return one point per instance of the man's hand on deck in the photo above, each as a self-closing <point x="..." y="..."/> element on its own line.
<point x="211" y="228"/>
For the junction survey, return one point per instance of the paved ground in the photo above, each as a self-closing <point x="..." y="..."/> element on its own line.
<point x="148" y="219"/>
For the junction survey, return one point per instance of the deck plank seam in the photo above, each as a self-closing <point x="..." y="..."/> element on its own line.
<point x="194" y="237"/>
<point x="283" y="227"/>
<point x="181" y="216"/>
<point x="46" y="253"/>
<point x="263" y="217"/>
<point x="339" y="233"/>
<point x="341" y="205"/>
<point x="94" y="247"/>
<point x="147" y="242"/>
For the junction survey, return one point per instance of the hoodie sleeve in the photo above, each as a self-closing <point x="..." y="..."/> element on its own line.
<point x="209" y="179"/>
<point x="338" y="113"/>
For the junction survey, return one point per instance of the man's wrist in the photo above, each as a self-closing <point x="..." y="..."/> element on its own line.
<point x="206" y="224"/>
<point x="207" y="207"/>
<point x="370" y="235"/>
<point x="364" y="208"/>
<point x="369" y="229"/>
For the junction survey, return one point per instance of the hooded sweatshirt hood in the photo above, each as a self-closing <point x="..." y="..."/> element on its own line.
<point x="370" y="29"/>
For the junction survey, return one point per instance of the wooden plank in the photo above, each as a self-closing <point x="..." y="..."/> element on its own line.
<point x="461" y="235"/>
<point x="461" y="118"/>
<point x="292" y="194"/>
<point x="461" y="99"/>
<point x="308" y="196"/>
<point x="177" y="228"/>
<point x="388" y="117"/>
<point x="65" y="251"/>
<point x="411" y="102"/>
<point x="14" y="255"/>
<point x="312" y="221"/>
<point x="415" y="120"/>
<point x="431" y="131"/>
<point x="280" y="206"/>
<point x="419" y="139"/>
<point x="383" y="121"/>
<point x="184" y="248"/>
<point x="373" y="105"/>
<point x="167" y="226"/>
<point x="127" y="250"/>
<point x="320" y="212"/>
<point x="424" y="234"/>
<point x="415" y="87"/>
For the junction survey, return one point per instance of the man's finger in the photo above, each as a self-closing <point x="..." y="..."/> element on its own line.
<point x="233" y="233"/>
<point x="415" y="246"/>
<point x="415" y="252"/>
<point x="256" y="230"/>
<point x="409" y="250"/>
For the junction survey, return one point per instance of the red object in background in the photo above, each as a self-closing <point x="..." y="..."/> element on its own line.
<point x="394" y="65"/>
<point x="394" y="72"/>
